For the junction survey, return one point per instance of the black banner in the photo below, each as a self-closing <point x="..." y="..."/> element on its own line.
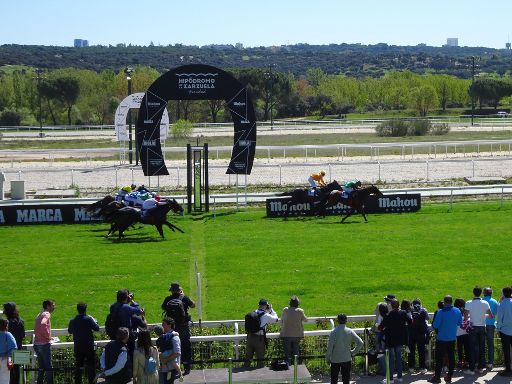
<point x="398" y="203"/>
<point x="196" y="82"/>
<point x="45" y="214"/>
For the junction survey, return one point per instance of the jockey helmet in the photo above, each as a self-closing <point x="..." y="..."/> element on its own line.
<point x="157" y="198"/>
<point x="322" y="172"/>
<point x="133" y="187"/>
<point x="127" y="189"/>
<point x="357" y="183"/>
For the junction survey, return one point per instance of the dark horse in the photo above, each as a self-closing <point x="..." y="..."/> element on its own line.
<point x="127" y="216"/>
<point x="302" y="195"/>
<point x="355" y="201"/>
<point x="105" y="207"/>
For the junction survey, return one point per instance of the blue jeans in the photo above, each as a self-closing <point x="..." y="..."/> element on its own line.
<point x="489" y="332"/>
<point x="395" y="361"/>
<point x="162" y="377"/>
<point x="44" y="360"/>
<point x="477" y="343"/>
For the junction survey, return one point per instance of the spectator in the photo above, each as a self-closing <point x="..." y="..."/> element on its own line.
<point x="446" y="323"/>
<point x="169" y="341"/>
<point x="145" y="350"/>
<point x="256" y="341"/>
<point x="490" y="326"/>
<point x="82" y="328"/>
<point x="292" y="329"/>
<point x="6" y="347"/>
<point x="171" y="364"/>
<point x="394" y="327"/>
<point x="125" y="312"/>
<point x="381" y="312"/>
<point x="17" y="329"/>
<point x="463" y="348"/>
<point x="339" y="350"/>
<point x="179" y="312"/>
<point x="477" y="310"/>
<point x="504" y="327"/>
<point x="42" y="342"/>
<point x="418" y="331"/>
<point x="115" y="359"/>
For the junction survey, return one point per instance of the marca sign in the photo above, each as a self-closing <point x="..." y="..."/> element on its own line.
<point x="45" y="214"/>
<point x="399" y="203"/>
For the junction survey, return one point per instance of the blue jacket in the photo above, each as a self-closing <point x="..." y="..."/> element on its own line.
<point x="81" y="327"/>
<point x="7" y="344"/>
<point x="446" y="323"/>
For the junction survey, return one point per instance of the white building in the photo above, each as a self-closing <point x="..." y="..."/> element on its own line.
<point x="452" y="42"/>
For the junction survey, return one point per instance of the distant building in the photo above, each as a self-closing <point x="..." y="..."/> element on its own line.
<point x="81" y="43"/>
<point x="507" y="45"/>
<point x="452" y="42"/>
<point x="239" y="46"/>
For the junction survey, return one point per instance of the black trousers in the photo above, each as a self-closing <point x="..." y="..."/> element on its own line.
<point x="445" y="348"/>
<point x="87" y="358"/>
<point x="345" y="372"/>
<point x="186" y="346"/>
<point x="417" y="341"/>
<point x="506" y="342"/>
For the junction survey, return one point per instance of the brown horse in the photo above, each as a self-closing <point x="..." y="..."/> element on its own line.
<point x="127" y="216"/>
<point x="302" y="195"/>
<point x="355" y="201"/>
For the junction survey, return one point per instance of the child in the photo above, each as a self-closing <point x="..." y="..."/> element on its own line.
<point x="171" y="364"/>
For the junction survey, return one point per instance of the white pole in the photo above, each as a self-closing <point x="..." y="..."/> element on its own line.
<point x="199" y="304"/>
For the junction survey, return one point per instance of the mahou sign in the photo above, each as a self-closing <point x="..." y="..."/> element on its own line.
<point x="196" y="82"/>
<point x="398" y="203"/>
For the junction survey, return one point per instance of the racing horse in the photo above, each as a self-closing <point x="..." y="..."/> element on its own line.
<point x="302" y="195"/>
<point x="99" y="208"/>
<point x="127" y="216"/>
<point x="355" y="201"/>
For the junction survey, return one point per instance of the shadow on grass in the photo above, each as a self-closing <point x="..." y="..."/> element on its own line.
<point x="136" y="239"/>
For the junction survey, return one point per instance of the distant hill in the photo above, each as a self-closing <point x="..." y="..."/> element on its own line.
<point x="349" y="59"/>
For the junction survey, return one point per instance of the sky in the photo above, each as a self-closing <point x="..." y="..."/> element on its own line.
<point x="256" y="23"/>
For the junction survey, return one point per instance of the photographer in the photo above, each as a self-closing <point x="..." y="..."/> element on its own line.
<point x="256" y="327"/>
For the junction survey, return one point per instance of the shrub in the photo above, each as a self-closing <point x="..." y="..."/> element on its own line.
<point x="10" y="118"/>
<point x="419" y="127"/>
<point x="392" y="128"/>
<point x="181" y="129"/>
<point x="440" y="129"/>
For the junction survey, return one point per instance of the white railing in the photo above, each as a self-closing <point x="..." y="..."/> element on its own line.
<point x="431" y="149"/>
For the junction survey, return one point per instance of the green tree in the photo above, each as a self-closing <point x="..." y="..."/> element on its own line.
<point x="423" y="99"/>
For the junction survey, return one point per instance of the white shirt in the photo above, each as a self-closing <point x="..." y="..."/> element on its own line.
<point x="267" y="318"/>
<point x="149" y="203"/>
<point x="477" y="310"/>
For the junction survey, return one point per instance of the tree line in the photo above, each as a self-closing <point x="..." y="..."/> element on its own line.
<point x="82" y="96"/>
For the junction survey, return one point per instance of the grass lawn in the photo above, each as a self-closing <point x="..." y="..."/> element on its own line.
<point x="243" y="256"/>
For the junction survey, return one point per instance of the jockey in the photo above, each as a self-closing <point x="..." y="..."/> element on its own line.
<point x="150" y="205"/>
<point x="349" y="187"/>
<point x="121" y="194"/>
<point x="317" y="179"/>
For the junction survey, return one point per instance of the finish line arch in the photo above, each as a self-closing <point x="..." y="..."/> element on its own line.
<point x="196" y="82"/>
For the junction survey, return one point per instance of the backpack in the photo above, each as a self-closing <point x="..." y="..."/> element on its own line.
<point x="253" y="321"/>
<point x="150" y="365"/>
<point x="112" y="323"/>
<point x="175" y="309"/>
<point x="418" y="321"/>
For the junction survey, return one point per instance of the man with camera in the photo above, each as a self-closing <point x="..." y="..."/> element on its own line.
<point x="256" y="327"/>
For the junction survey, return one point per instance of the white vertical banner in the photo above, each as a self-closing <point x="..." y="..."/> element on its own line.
<point x="133" y="102"/>
<point x="199" y="303"/>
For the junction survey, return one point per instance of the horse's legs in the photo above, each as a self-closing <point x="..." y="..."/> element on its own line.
<point x="160" y="230"/>
<point x="346" y="216"/>
<point x="173" y="227"/>
<point x="364" y="216"/>
<point x="113" y="228"/>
